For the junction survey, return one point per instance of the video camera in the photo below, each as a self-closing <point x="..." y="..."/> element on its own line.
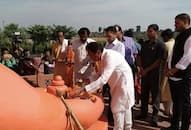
<point x="16" y="39"/>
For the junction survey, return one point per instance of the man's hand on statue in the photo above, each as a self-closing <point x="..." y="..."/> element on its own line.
<point x="72" y="94"/>
<point x="76" y="92"/>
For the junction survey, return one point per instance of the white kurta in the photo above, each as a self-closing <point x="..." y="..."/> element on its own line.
<point x="81" y="59"/>
<point x="115" y="70"/>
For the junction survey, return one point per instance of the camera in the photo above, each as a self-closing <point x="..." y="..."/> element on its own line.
<point x="16" y="38"/>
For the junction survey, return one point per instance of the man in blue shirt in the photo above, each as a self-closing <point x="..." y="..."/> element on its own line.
<point x="130" y="48"/>
<point x="112" y="40"/>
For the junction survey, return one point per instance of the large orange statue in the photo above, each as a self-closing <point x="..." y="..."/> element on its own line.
<point x="26" y="108"/>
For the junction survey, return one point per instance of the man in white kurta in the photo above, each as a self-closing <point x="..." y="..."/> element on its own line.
<point x="114" y="70"/>
<point x="82" y="64"/>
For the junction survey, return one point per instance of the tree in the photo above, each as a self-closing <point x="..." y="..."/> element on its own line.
<point x="5" y="42"/>
<point x="7" y="34"/>
<point x="35" y="38"/>
<point x="69" y="31"/>
<point x="10" y="29"/>
<point x="39" y="34"/>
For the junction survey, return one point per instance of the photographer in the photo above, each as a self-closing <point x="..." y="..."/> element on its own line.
<point x="16" y="50"/>
<point x="8" y="60"/>
<point x="24" y="66"/>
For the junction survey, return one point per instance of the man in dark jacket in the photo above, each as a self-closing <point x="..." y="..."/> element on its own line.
<point x="179" y="73"/>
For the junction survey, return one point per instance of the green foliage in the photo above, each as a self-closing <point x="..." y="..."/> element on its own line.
<point x="10" y="29"/>
<point x="4" y="41"/>
<point x="69" y="31"/>
<point x="38" y="33"/>
<point x="6" y="36"/>
<point x="140" y="35"/>
<point x="35" y="38"/>
<point x="41" y="35"/>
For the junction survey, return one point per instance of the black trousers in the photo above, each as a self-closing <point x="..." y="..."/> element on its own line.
<point x="150" y="83"/>
<point x="134" y="70"/>
<point x="181" y="97"/>
<point x="106" y="89"/>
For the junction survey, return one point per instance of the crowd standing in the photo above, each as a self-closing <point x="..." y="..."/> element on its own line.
<point x="162" y="64"/>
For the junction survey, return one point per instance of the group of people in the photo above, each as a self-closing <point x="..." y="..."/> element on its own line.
<point x="24" y="63"/>
<point x="97" y="65"/>
<point x="165" y="72"/>
<point x="162" y="64"/>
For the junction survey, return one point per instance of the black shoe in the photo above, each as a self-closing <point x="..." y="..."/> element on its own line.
<point x="169" y="128"/>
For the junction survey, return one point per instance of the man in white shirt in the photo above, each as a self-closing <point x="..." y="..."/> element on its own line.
<point x="112" y="41"/>
<point x="113" y="69"/>
<point x="130" y="48"/>
<point x="179" y="73"/>
<point x="82" y="66"/>
<point x="116" y="45"/>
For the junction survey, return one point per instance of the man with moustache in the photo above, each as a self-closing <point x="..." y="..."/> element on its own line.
<point x="82" y="66"/>
<point x="179" y="73"/>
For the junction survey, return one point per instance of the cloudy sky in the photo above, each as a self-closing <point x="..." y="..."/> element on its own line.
<point x="93" y="13"/>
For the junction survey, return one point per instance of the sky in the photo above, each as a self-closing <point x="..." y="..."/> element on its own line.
<point x="93" y="13"/>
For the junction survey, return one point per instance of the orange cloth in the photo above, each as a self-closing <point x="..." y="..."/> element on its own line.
<point x="60" y="57"/>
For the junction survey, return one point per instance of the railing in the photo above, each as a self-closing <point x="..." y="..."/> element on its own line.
<point x="39" y="80"/>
